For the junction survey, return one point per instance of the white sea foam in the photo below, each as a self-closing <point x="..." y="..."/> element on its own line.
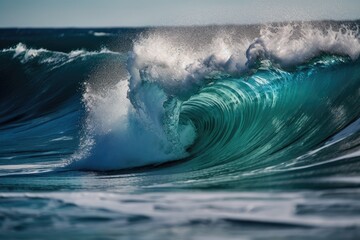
<point x="25" y="54"/>
<point x="281" y="43"/>
<point x="118" y="136"/>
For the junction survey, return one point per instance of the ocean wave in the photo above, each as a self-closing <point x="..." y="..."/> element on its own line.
<point x="224" y="100"/>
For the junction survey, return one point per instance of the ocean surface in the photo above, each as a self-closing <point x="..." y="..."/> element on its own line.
<point x="214" y="132"/>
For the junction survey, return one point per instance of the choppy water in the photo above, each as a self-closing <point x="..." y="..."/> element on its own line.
<point x="218" y="132"/>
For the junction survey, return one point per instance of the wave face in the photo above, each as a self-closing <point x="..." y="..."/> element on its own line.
<point x="209" y="132"/>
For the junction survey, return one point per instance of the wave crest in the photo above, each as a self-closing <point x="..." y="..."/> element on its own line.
<point x="44" y="56"/>
<point x="178" y="62"/>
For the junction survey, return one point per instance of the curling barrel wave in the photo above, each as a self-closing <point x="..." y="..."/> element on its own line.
<point x="231" y="102"/>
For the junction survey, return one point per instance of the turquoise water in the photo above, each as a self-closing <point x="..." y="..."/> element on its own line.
<point x="226" y="132"/>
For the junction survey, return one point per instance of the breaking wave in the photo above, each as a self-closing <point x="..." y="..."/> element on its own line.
<point x="220" y="99"/>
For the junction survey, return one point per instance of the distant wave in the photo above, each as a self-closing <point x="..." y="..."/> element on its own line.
<point x="101" y="34"/>
<point x="45" y="56"/>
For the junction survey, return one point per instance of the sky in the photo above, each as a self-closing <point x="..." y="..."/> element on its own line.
<point x="120" y="13"/>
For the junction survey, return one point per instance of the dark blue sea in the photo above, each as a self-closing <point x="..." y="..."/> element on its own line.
<point x="213" y="132"/>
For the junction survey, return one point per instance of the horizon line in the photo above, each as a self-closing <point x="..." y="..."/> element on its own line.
<point x="184" y="25"/>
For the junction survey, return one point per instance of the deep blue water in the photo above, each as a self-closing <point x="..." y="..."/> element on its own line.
<point x="217" y="132"/>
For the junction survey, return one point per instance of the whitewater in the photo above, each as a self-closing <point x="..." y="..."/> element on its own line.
<point x="225" y="132"/>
